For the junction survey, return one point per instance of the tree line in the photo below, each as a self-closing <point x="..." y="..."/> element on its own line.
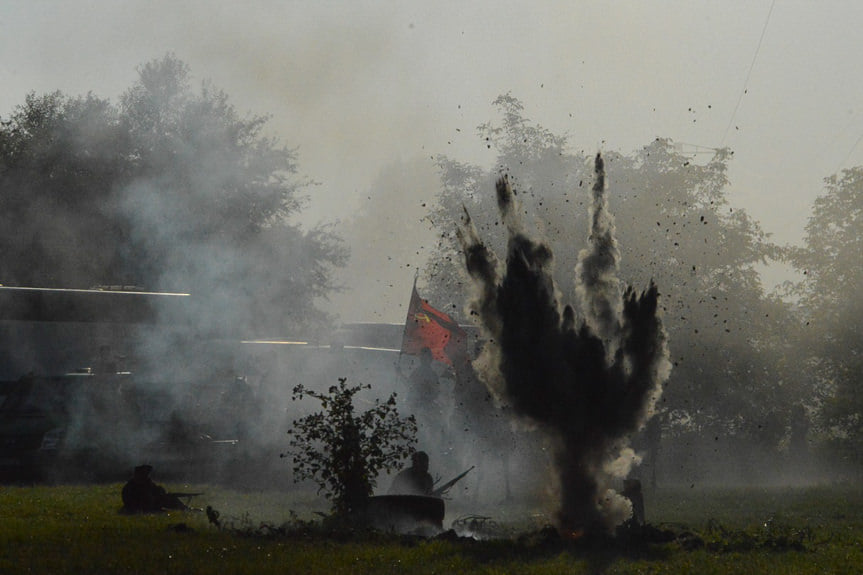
<point x="753" y="369"/>
<point x="171" y="189"/>
<point x="168" y="189"/>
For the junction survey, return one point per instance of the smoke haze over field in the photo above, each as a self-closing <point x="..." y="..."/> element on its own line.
<point x="382" y="119"/>
<point x="357" y="86"/>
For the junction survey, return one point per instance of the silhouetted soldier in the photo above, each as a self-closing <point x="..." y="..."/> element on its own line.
<point x="653" y="440"/>
<point x="106" y="364"/>
<point x="632" y="491"/>
<point x="239" y="408"/>
<point x="142" y="495"/>
<point x="799" y="429"/>
<point x="423" y="397"/>
<point x="416" y="479"/>
<point x="425" y="383"/>
<point x="798" y="445"/>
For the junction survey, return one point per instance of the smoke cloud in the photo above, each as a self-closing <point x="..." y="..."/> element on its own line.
<point x="588" y="383"/>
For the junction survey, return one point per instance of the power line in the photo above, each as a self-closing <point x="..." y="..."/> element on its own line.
<point x="848" y="155"/>
<point x="849" y="126"/>
<point x="748" y="74"/>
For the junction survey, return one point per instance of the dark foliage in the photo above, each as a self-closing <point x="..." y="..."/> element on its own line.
<point x="830" y="345"/>
<point x="342" y="450"/>
<point x="675" y="226"/>
<point x="168" y="190"/>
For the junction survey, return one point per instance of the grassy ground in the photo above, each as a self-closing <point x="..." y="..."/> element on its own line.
<point x="77" y="529"/>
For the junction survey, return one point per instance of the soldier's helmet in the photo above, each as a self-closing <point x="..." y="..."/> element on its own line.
<point x="143" y="471"/>
<point x="420" y="459"/>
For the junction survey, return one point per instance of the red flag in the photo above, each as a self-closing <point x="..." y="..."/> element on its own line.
<point x="428" y="327"/>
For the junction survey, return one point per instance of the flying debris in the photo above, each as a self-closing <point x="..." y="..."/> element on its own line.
<point x="588" y="382"/>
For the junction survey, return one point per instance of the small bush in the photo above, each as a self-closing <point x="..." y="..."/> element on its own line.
<point x="342" y="451"/>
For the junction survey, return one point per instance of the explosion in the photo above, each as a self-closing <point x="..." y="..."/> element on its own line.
<point x="588" y="383"/>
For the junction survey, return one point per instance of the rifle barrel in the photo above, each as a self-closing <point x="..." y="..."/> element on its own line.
<point x="445" y="487"/>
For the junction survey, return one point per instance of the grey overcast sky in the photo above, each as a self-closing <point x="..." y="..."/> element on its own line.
<point x="358" y="84"/>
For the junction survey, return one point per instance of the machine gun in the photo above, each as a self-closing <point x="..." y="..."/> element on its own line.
<point x="184" y="495"/>
<point x="440" y="491"/>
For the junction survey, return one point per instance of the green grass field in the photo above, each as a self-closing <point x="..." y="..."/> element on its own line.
<point x="77" y="529"/>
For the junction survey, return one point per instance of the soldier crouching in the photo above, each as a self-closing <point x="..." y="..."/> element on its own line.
<point x="141" y="495"/>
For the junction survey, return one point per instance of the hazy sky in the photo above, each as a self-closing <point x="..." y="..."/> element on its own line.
<point x="356" y="85"/>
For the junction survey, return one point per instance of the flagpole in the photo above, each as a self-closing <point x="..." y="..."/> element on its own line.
<point x="408" y="313"/>
<point x="405" y="327"/>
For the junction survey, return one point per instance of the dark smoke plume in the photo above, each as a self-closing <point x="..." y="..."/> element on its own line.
<point x="588" y="383"/>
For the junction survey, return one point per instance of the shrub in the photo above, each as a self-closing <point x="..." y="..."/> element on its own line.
<point x="343" y="451"/>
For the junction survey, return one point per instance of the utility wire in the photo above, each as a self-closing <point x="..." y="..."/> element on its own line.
<point x="748" y="74"/>
<point x="848" y="155"/>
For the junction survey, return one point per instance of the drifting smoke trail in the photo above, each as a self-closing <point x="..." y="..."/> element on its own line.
<point x="589" y="385"/>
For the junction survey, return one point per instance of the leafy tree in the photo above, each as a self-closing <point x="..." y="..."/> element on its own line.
<point x="169" y="189"/>
<point x="675" y="226"/>
<point x="59" y="159"/>
<point x="832" y="341"/>
<point x="344" y="451"/>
